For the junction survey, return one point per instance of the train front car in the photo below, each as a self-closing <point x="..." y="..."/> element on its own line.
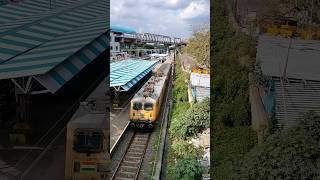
<point x="146" y="104"/>
<point x="87" y="154"/>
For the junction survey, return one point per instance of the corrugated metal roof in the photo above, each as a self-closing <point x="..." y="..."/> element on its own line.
<point x="20" y="10"/>
<point x="42" y="59"/>
<point x="117" y="28"/>
<point x="56" y="46"/>
<point x="201" y="80"/>
<point x="303" y="60"/>
<point x="25" y="9"/>
<point x="199" y="93"/>
<point x="127" y="73"/>
<point x="20" y="39"/>
<point x="299" y="97"/>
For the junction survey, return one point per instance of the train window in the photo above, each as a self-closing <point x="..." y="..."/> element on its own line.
<point x="148" y="106"/>
<point x="88" y="141"/>
<point x="137" y="105"/>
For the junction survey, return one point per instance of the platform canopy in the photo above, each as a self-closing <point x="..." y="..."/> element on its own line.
<point x="46" y="47"/>
<point x="121" y="29"/>
<point x="126" y="73"/>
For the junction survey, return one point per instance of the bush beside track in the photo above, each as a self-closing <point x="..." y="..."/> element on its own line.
<point x="186" y="122"/>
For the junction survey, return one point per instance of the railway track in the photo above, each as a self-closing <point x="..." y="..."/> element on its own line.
<point x="132" y="159"/>
<point x="129" y="167"/>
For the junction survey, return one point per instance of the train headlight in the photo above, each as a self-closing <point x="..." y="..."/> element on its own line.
<point x="103" y="167"/>
<point x="76" y="167"/>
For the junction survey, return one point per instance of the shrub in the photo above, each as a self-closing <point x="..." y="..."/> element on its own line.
<point x="182" y="149"/>
<point x="186" y="169"/>
<point x="193" y="121"/>
<point x="229" y="95"/>
<point x="290" y="154"/>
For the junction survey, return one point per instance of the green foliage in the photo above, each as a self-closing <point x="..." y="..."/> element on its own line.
<point x="233" y="56"/>
<point x="180" y="90"/>
<point x="291" y="154"/>
<point x="233" y="59"/>
<point x="229" y="144"/>
<point x="304" y="11"/>
<point x="186" y="169"/>
<point x="229" y="95"/>
<point x="182" y="149"/>
<point x="182" y="158"/>
<point x="198" y="47"/>
<point x="192" y="121"/>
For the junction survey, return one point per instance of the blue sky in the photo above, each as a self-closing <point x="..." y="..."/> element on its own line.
<point x="166" y="17"/>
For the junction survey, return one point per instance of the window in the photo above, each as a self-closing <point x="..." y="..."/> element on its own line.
<point x="116" y="48"/>
<point x="148" y="106"/>
<point x="137" y="105"/>
<point x="111" y="48"/>
<point x="88" y="141"/>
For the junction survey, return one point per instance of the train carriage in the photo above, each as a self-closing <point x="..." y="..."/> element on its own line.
<point x="88" y="139"/>
<point x="147" y="102"/>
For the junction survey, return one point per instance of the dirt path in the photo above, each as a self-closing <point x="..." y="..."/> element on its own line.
<point x="186" y="62"/>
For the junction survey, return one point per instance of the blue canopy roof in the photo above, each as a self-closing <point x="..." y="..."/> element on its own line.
<point x="125" y="74"/>
<point x="51" y="46"/>
<point x="116" y="28"/>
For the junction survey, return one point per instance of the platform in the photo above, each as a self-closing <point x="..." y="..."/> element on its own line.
<point x="52" y="162"/>
<point x="118" y="123"/>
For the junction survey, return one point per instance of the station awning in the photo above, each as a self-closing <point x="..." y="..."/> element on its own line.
<point x="125" y="74"/>
<point x="51" y="47"/>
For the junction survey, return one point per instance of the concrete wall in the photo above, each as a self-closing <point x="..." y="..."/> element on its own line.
<point x="259" y="117"/>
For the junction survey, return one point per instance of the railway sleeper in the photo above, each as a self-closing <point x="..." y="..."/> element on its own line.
<point x="138" y="146"/>
<point x="144" y="135"/>
<point x="133" y="158"/>
<point x="123" y="178"/>
<point x="127" y="174"/>
<point x="140" y="141"/>
<point x="129" y="168"/>
<point x="129" y="163"/>
<point x="137" y="149"/>
<point x="134" y="153"/>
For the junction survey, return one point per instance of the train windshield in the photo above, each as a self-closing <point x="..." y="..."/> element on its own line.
<point x="137" y="105"/>
<point x="148" y="106"/>
<point x="88" y="141"/>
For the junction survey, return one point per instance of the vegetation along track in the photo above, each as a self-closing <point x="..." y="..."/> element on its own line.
<point x="130" y="165"/>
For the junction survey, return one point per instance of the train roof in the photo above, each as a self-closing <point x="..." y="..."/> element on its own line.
<point x="158" y="84"/>
<point x="91" y="120"/>
<point x="92" y="112"/>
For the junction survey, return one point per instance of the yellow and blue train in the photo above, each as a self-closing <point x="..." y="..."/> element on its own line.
<point x="147" y="102"/>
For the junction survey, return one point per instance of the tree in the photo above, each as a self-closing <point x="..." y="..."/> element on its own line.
<point x="193" y="121"/>
<point x="290" y="154"/>
<point x="187" y="169"/>
<point x="182" y="149"/>
<point x="198" y="46"/>
<point x="229" y="94"/>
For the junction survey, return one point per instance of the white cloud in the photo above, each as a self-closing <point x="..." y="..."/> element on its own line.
<point x="195" y="9"/>
<point x="166" y="17"/>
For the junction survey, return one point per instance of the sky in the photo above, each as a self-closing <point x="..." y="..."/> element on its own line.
<point x="174" y="18"/>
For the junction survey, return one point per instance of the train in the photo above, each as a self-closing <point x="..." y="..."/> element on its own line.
<point x="88" y="139"/>
<point x="146" y="104"/>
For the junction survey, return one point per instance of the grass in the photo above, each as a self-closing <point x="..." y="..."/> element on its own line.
<point x="153" y="160"/>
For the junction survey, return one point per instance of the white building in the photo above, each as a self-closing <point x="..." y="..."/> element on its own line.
<point x="200" y="86"/>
